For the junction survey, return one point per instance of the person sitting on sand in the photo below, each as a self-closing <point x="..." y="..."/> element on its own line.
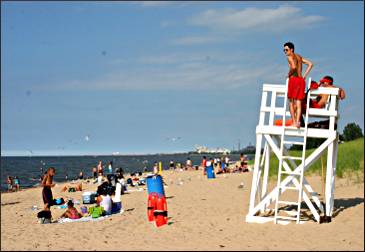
<point x="68" y="188"/>
<point x="71" y="211"/>
<point x="10" y="183"/>
<point x="47" y="184"/>
<point x="100" y="178"/>
<point x="104" y="200"/>
<point x="220" y="167"/>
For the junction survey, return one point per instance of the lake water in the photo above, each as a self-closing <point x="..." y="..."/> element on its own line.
<point x="28" y="169"/>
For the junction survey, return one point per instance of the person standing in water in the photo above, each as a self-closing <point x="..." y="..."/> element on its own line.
<point x="100" y="168"/>
<point x="95" y="172"/>
<point x="296" y="86"/>
<point x="47" y="183"/>
<point x="110" y="167"/>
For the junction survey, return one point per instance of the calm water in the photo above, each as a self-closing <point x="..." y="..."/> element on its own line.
<point x="28" y="169"/>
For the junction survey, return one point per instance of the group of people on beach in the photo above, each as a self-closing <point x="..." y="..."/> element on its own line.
<point x="13" y="184"/>
<point x="221" y="164"/>
<point x="224" y="165"/>
<point x="108" y="195"/>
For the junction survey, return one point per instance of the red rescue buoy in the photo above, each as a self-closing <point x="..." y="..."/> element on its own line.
<point x="161" y="212"/>
<point x="151" y="206"/>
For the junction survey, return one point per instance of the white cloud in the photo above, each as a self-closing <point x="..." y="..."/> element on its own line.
<point x="276" y="20"/>
<point x="178" y="72"/>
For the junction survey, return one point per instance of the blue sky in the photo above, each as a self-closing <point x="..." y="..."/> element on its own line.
<point x="103" y="77"/>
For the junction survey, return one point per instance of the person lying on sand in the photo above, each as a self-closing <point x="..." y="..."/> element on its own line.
<point x="69" y="188"/>
<point x="71" y="211"/>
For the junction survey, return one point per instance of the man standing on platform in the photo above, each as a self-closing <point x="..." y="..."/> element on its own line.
<point x="296" y="85"/>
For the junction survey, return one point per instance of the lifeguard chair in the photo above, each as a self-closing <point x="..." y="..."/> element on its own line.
<point x="291" y="169"/>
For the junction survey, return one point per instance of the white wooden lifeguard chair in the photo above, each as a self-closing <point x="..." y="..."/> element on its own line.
<point x="276" y="141"/>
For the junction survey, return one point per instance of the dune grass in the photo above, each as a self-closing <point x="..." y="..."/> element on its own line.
<point x="350" y="160"/>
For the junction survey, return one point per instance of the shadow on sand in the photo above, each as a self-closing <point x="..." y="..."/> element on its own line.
<point x="339" y="206"/>
<point x="343" y="204"/>
<point x="10" y="203"/>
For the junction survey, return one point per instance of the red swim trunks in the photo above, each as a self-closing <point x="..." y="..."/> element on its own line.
<point x="296" y="88"/>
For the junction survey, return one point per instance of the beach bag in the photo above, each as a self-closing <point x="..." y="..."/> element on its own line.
<point x="44" y="214"/>
<point x="44" y="217"/>
<point x="71" y="189"/>
<point x="96" y="211"/>
<point x="58" y="201"/>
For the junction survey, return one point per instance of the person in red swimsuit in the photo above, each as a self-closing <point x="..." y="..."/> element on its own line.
<point x="71" y="211"/>
<point x="296" y="85"/>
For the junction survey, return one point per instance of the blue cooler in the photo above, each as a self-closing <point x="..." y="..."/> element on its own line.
<point x="155" y="184"/>
<point x="210" y="172"/>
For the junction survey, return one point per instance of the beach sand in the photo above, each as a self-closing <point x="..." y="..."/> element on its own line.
<point x="203" y="215"/>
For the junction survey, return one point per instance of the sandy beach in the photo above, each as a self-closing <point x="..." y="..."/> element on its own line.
<point x="203" y="215"/>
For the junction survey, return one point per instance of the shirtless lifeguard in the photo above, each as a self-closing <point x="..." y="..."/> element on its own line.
<point x="296" y="86"/>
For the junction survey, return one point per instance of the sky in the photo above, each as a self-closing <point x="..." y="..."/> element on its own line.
<point x="161" y="77"/>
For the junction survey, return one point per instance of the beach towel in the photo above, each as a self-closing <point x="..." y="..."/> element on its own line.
<point x="83" y="219"/>
<point x="86" y="219"/>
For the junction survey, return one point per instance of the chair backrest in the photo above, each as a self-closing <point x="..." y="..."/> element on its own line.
<point x="326" y="107"/>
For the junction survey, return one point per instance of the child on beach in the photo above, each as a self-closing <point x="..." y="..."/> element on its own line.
<point x="47" y="183"/>
<point x="16" y="183"/>
<point x="10" y="183"/>
<point x="296" y="85"/>
<point x="71" y="211"/>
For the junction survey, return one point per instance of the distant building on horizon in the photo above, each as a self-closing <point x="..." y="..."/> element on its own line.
<point x="203" y="149"/>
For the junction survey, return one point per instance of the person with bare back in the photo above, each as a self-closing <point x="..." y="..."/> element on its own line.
<point x="47" y="183"/>
<point x="296" y="85"/>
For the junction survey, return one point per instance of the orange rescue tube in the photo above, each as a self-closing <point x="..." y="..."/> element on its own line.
<point x="151" y="206"/>
<point x="161" y="212"/>
<point x="280" y="122"/>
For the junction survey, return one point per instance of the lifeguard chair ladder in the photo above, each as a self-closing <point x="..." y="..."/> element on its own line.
<point x="260" y="198"/>
<point x="284" y="142"/>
